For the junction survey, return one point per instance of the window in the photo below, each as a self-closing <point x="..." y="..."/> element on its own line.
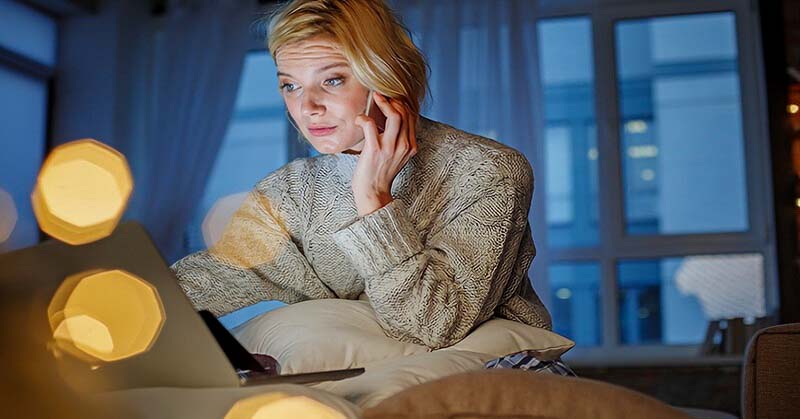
<point x="656" y="225"/>
<point x="681" y="119"/>
<point x="27" y="56"/>
<point x="565" y="59"/>
<point x="28" y="32"/>
<point x="575" y="301"/>
<point x="667" y="300"/>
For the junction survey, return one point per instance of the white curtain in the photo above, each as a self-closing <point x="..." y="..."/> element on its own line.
<point x="198" y="54"/>
<point x="483" y="60"/>
<point x="481" y="56"/>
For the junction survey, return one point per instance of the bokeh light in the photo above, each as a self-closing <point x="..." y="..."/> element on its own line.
<point x="32" y="385"/>
<point x="8" y="215"/>
<point x="219" y="215"/>
<point x="281" y="405"/>
<point x="105" y="315"/>
<point x="244" y="243"/>
<point x="82" y="191"/>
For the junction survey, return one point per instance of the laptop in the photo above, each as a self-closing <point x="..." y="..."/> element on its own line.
<point x="191" y="350"/>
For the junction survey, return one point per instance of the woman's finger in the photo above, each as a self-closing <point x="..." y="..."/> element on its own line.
<point x="412" y="132"/>
<point x="407" y="140"/>
<point x="370" y="129"/>
<point x="404" y="139"/>
<point x="393" y="122"/>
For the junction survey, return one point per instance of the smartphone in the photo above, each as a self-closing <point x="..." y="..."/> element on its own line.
<point x="369" y="106"/>
<point x="369" y="102"/>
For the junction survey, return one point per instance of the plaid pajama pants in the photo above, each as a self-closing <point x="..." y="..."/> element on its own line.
<point x="527" y="360"/>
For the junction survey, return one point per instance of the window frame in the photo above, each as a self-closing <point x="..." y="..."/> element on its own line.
<point x="41" y="72"/>
<point x="614" y="244"/>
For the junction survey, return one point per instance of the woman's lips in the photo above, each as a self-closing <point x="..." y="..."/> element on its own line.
<point x="320" y="132"/>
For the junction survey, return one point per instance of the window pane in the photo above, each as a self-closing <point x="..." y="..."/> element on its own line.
<point x="575" y="301"/>
<point x="254" y="145"/>
<point x="671" y="300"/>
<point x="23" y="110"/>
<point x="682" y="142"/>
<point x="565" y="57"/>
<point x="27" y="32"/>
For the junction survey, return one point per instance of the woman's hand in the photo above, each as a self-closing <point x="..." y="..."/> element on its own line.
<point x="383" y="155"/>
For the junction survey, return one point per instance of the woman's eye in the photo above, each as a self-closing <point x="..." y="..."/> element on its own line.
<point x="335" y="81"/>
<point x="287" y="87"/>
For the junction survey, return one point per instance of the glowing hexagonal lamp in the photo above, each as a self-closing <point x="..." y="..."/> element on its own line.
<point x="8" y="215"/>
<point x="82" y="191"/>
<point x="105" y="315"/>
<point x="281" y="405"/>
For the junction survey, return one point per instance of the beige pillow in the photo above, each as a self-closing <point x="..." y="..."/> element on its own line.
<point x="321" y="335"/>
<point x="509" y="393"/>
<point x="500" y="337"/>
<point x="331" y="334"/>
<point x="386" y="378"/>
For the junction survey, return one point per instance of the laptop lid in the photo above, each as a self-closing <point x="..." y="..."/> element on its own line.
<point x="182" y="352"/>
<point x="237" y="355"/>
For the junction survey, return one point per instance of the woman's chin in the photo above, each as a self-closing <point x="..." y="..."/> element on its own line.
<point x="331" y="146"/>
<point x="328" y="148"/>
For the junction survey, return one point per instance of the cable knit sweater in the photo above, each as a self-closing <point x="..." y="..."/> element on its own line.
<point x="451" y="251"/>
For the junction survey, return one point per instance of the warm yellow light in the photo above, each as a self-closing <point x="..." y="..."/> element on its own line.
<point x="87" y="333"/>
<point x="105" y="315"/>
<point x="82" y="191"/>
<point x="8" y="215"/>
<point x="797" y="202"/>
<point x="281" y="405"/>
<point x="217" y="219"/>
<point x="793" y="108"/>
<point x="246" y="244"/>
<point x="637" y="126"/>
<point x="642" y="151"/>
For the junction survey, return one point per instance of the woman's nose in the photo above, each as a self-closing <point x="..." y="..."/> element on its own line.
<point x="311" y="103"/>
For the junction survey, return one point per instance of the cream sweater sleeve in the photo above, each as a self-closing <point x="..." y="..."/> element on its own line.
<point x="434" y="291"/>
<point x="255" y="260"/>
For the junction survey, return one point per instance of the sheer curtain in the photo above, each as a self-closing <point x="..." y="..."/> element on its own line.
<point x="484" y="79"/>
<point x="198" y="54"/>
<point x="482" y="65"/>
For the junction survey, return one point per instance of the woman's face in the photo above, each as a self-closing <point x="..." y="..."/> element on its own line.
<point x="322" y="94"/>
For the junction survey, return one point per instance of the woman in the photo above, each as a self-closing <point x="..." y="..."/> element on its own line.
<point x="427" y="221"/>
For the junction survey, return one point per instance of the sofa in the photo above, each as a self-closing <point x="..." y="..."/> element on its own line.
<point x="771" y="374"/>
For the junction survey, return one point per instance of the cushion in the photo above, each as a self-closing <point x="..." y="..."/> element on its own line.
<point x="520" y="394"/>
<point x="501" y="337"/>
<point x="771" y="373"/>
<point x="321" y="335"/>
<point x="383" y="379"/>
<point x="331" y="334"/>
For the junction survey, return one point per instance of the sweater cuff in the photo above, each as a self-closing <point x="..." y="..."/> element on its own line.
<point x="379" y="241"/>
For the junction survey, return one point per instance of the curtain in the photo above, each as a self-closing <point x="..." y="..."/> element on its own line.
<point x="197" y="59"/>
<point x="484" y="76"/>
<point x="482" y="60"/>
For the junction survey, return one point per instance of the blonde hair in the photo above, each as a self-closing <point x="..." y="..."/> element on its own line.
<point x="375" y="43"/>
